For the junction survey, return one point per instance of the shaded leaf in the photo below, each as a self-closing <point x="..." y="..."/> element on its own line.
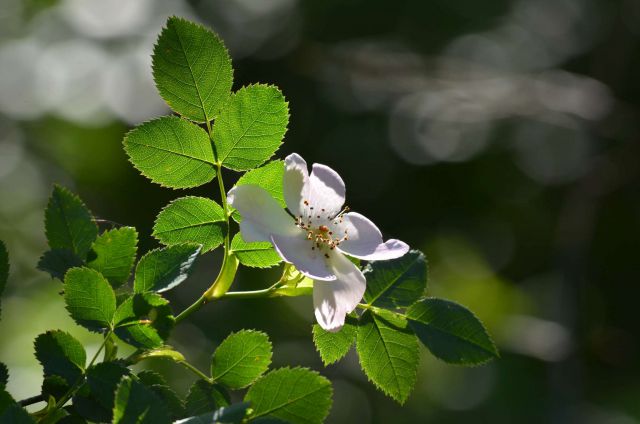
<point x="135" y="403"/>
<point x="192" y="69"/>
<point x="250" y="127"/>
<point x="396" y="283"/>
<point x="204" y="397"/>
<point x="95" y="399"/>
<point x="89" y="297"/>
<point x="159" y="385"/>
<point x="11" y="412"/>
<point x="171" y="152"/>
<point x="296" y="395"/>
<point x="260" y="254"/>
<point x="113" y="254"/>
<point x="191" y="219"/>
<point x="4" y="375"/>
<point x="227" y="414"/>
<point x="388" y="352"/>
<point x="144" y="320"/>
<point x="57" y="262"/>
<point x="334" y="346"/>
<point x="61" y="355"/>
<point x="241" y="358"/>
<point x="163" y="269"/>
<point x="451" y="332"/>
<point x="68" y="223"/>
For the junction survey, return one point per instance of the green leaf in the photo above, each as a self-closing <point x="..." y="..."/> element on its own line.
<point x="228" y="414"/>
<point x="144" y="320"/>
<point x="251" y="127"/>
<point x="204" y="397"/>
<point x="191" y="219"/>
<point x="89" y="297"/>
<point x="95" y="399"/>
<point x="259" y="254"/>
<point x="113" y="254"/>
<point x="158" y="384"/>
<point x="58" y="261"/>
<point x="241" y="358"/>
<point x="334" y="346"/>
<point x="268" y="177"/>
<point x="135" y="403"/>
<point x="68" y="223"/>
<point x="62" y="355"/>
<point x="451" y="332"/>
<point x="171" y="152"/>
<point x="192" y="69"/>
<point x="4" y="375"/>
<point x="296" y="395"/>
<point x="11" y="412"/>
<point x="388" y="353"/>
<point x="163" y="269"/>
<point x="396" y="283"/>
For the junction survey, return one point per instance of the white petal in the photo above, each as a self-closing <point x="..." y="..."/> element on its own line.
<point x="365" y="240"/>
<point x="297" y="250"/>
<point x="261" y="214"/>
<point x="326" y="190"/>
<point x="333" y="300"/>
<point x="295" y="183"/>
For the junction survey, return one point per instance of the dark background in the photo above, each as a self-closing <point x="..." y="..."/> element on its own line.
<point x="499" y="137"/>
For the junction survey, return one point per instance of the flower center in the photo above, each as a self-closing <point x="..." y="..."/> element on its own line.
<point x="323" y="230"/>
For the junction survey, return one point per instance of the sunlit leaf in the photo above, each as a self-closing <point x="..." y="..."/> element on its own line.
<point x="397" y="282"/>
<point x="259" y="254"/>
<point x="89" y="297"/>
<point x="241" y="358"/>
<point x="191" y="219"/>
<point x="68" y="223"/>
<point x="451" y="332"/>
<point x="192" y="69"/>
<point x="113" y="254"/>
<point x="171" y="152"/>
<point x="334" y="346"/>
<point x="250" y="127"/>
<point x="163" y="269"/>
<point x="296" y="395"/>
<point x="388" y="352"/>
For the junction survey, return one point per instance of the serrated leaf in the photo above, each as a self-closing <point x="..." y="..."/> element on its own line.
<point x="68" y="223"/>
<point x="296" y="395"/>
<point x="191" y="219"/>
<point x="388" y="352"/>
<point x="171" y="152"/>
<point x="334" y="346"/>
<point x="192" y="69"/>
<point x="144" y="320"/>
<point x="259" y="254"/>
<point x="95" y="399"/>
<point x="88" y="408"/>
<point x="159" y="385"/>
<point x="113" y="254"/>
<point x="227" y="414"/>
<point x="4" y="375"/>
<point x="89" y="298"/>
<point x="268" y="177"/>
<point x="250" y="127"/>
<point x="61" y="355"/>
<point x="163" y="269"/>
<point x="396" y="283"/>
<point x="135" y="403"/>
<point x="204" y="397"/>
<point x="241" y="358"/>
<point x="11" y="412"/>
<point x="451" y="332"/>
<point x="57" y="262"/>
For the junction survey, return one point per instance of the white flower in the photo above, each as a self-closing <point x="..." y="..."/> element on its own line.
<point x="316" y="235"/>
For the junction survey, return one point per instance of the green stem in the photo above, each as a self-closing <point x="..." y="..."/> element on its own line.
<point x="196" y="371"/>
